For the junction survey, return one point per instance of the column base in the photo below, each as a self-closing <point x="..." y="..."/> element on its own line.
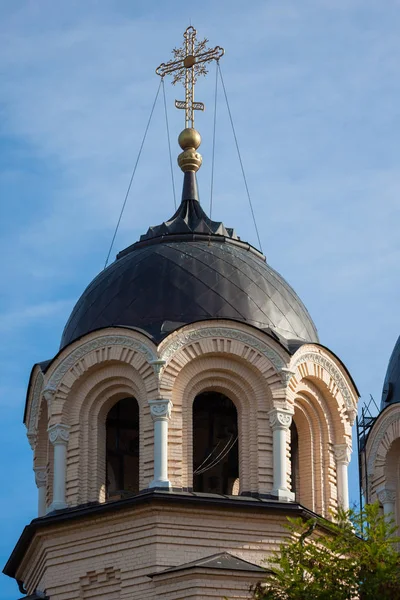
<point x="284" y="495"/>
<point x="161" y="483"/>
<point x="56" y="506"/>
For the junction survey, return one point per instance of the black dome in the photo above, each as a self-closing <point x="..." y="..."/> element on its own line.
<point x="185" y="270"/>
<point x="391" y="387"/>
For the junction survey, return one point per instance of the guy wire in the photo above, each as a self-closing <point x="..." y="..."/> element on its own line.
<point x="213" y="145"/>
<point x="239" y="155"/>
<point x="169" y="142"/>
<point x="132" y="176"/>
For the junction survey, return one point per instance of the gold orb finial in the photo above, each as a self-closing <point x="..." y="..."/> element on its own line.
<point x="189" y="140"/>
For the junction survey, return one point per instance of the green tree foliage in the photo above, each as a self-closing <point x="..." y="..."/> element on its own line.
<point x="353" y="557"/>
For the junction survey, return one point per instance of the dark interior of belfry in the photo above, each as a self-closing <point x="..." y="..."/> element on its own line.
<point x="215" y="444"/>
<point x="122" y="449"/>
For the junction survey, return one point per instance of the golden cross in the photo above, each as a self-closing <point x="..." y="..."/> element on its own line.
<point x="188" y="63"/>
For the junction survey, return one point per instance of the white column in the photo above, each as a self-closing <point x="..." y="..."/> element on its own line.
<point x="59" y="436"/>
<point x="41" y="481"/>
<point x="161" y="413"/>
<point x="280" y="420"/>
<point x="342" y="455"/>
<point x="388" y="500"/>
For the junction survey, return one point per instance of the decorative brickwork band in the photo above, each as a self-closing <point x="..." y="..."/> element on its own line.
<point x="161" y="412"/>
<point x="342" y="454"/>
<point x="280" y="420"/>
<point x="59" y="436"/>
<point x="41" y="481"/>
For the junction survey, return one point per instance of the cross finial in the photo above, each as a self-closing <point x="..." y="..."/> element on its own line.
<point x="188" y="64"/>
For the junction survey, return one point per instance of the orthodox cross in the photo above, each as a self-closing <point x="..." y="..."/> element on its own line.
<point x="188" y="63"/>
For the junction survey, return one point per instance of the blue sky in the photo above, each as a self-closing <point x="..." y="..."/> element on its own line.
<point x="314" y="91"/>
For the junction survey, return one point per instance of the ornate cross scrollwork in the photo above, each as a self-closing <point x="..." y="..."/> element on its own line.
<point x="188" y="64"/>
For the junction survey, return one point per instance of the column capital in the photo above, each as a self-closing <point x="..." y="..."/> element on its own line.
<point x="280" y="418"/>
<point x="386" y="496"/>
<point x="48" y="394"/>
<point x="342" y="453"/>
<point x="40" y="476"/>
<point x="160" y="409"/>
<point x="286" y="374"/>
<point x="59" y="434"/>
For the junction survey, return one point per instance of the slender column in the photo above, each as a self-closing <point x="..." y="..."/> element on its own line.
<point x="41" y="481"/>
<point x="59" y="436"/>
<point x="342" y="456"/>
<point x="161" y="413"/>
<point x="280" y="420"/>
<point x="388" y="500"/>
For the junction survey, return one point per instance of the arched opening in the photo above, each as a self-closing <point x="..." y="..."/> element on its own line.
<point x="122" y="449"/>
<point x="215" y="444"/>
<point x="294" y="458"/>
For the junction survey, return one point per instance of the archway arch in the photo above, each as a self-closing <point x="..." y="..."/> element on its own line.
<point x="215" y="444"/>
<point x="122" y="449"/>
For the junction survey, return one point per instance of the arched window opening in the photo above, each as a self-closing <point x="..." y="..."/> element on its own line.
<point x="294" y="458"/>
<point x="122" y="449"/>
<point x="215" y="444"/>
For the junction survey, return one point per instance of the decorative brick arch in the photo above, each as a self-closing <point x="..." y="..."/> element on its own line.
<point x="318" y="365"/>
<point x="34" y="402"/>
<point x="385" y="431"/>
<point x="249" y="391"/>
<point x="316" y="462"/>
<point x="89" y="402"/>
<point x="320" y="387"/>
<point x="201" y="338"/>
<point x="90" y="355"/>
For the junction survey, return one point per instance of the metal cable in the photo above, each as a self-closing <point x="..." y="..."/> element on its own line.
<point x="132" y="176"/>
<point x="239" y="155"/>
<point x="213" y="145"/>
<point x="218" y="458"/>
<point x="169" y="141"/>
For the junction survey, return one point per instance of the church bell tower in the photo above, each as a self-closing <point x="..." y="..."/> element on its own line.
<point x="190" y="409"/>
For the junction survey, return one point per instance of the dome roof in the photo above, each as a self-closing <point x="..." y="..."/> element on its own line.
<point x="391" y="386"/>
<point x="189" y="269"/>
